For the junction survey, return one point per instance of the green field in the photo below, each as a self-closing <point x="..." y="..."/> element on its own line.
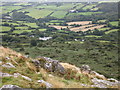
<point x="89" y="7"/>
<point x="36" y="13"/>
<point x="22" y="4"/>
<point x="79" y="6"/>
<point x="56" y="21"/>
<point x="10" y="23"/>
<point x="59" y="14"/>
<point x="113" y="30"/>
<point x="42" y="29"/>
<point x="114" y="23"/>
<point x="101" y="21"/>
<point x="94" y="9"/>
<point x="104" y="29"/>
<point x="93" y="36"/>
<point x="47" y="6"/>
<point x="84" y="13"/>
<point x="65" y="7"/>
<point x="52" y="23"/>
<point x="5" y="28"/>
<point x="21" y="28"/>
<point x="31" y="25"/>
<point x="21" y="31"/>
<point x="6" y="9"/>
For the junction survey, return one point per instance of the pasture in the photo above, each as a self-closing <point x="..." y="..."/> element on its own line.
<point x="33" y="25"/>
<point x="43" y="29"/>
<point x="21" y="31"/>
<point x="113" y="30"/>
<point x="59" y="14"/>
<point x="5" y="28"/>
<point x="83" y="13"/>
<point x="79" y="6"/>
<point x="21" y="28"/>
<point x="104" y="29"/>
<point x="36" y="13"/>
<point x="89" y="6"/>
<point x="93" y="36"/>
<point x="6" y="9"/>
<point x="114" y="23"/>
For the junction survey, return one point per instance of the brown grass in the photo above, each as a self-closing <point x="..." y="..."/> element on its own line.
<point x="59" y="27"/>
<point x="80" y="22"/>
<point x="86" y="29"/>
<point x="81" y="27"/>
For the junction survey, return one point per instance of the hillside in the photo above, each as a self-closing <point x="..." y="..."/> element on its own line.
<point x="20" y="71"/>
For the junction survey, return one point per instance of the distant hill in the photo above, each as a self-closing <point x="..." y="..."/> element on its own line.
<point x="57" y="0"/>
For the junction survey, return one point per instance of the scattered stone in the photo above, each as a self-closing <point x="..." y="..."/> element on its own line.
<point x="112" y="80"/>
<point x="0" y="62"/>
<point x="27" y="78"/>
<point x="5" y="74"/>
<point x="85" y="67"/>
<point x="16" y="74"/>
<point x="10" y="86"/>
<point x="8" y="65"/>
<point x="48" y="85"/>
<point x="50" y="75"/>
<point x="102" y="83"/>
<point x="84" y="85"/>
<point x="8" y="58"/>
<point x="95" y="74"/>
<point x="49" y="64"/>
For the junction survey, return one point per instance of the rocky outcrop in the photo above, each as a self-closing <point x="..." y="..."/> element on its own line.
<point x="5" y="74"/>
<point x="14" y="75"/>
<point x="103" y="83"/>
<point x="97" y="75"/>
<point x="10" y="87"/>
<point x="85" y="68"/>
<point x="8" y="65"/>
<point x="49" y="64"/>
<point x="48" y="85"/>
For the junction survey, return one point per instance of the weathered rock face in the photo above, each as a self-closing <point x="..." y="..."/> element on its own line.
<point x="97" y="75"/>
<point x="5" y="74"/>
<point x="8" y="65"/>
<point x="48" y="85"/>
<point x="49" y="64"/>
<point x="103" y="83"/>
<point x="85" y="68"/>
<point x="10" y="87"/>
